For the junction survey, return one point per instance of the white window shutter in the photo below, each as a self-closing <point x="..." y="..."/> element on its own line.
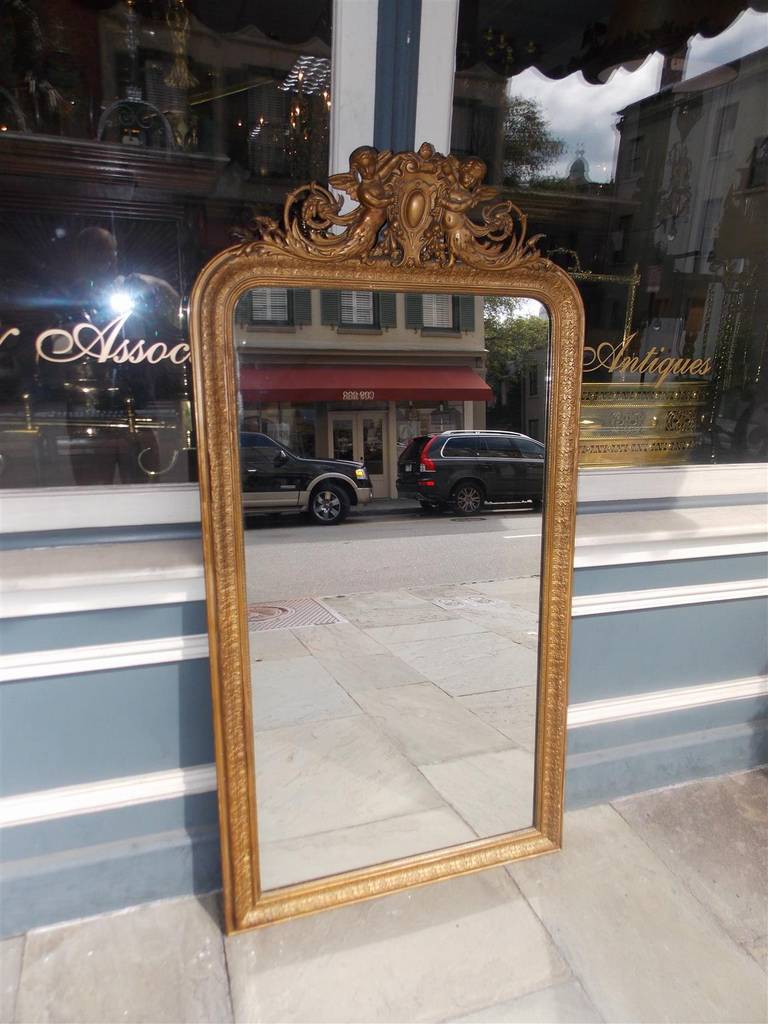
<point x="269" y="304"/>
<point x="357" y="308"/>
<point x="438" y="310"/>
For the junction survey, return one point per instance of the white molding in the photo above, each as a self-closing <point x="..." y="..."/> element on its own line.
<point x="619" y="538"/>
<point x="67" y="661"/>
<point x="437" y="68"/>
<point x="100" y="576"/>
<point x="43" y="509"/>
<point x="107" y="795"/>
<point x="353" y="79"/>
<point x="138" y="594"/>
<point x="654" y="482"/>
<point x="685" y="698"/>
<point x="663" y="597"/>
<point x="666" y="551"/>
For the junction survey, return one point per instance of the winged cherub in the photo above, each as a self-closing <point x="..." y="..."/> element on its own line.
<point x="367" y="182"/>
<point x="460" y="233"/>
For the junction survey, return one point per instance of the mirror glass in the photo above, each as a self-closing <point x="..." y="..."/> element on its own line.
<point x="392" y="458"/>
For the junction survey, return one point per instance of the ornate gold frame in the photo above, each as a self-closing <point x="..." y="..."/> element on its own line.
<point x="411" y="230"/>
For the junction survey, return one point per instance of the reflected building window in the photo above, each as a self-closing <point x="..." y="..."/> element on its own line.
<point x="269" y="305"/>
<point x="437" y="311"/>
<point x="357" y="308"/>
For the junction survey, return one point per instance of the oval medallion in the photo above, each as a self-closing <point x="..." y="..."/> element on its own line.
<point x="415" y="209"/>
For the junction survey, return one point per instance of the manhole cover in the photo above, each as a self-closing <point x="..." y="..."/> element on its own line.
<point x="305" y="611"/>
<point x="264" y="612"/>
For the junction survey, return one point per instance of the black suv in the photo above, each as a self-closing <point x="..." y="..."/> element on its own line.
<point x="276" y="480"/>
<point x="464" y="469"/>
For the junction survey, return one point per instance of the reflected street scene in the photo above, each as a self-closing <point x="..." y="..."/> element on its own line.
<point x="393" y="508"/>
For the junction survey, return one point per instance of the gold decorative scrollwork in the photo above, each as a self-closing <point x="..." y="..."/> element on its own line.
<point x="414" y="209"/>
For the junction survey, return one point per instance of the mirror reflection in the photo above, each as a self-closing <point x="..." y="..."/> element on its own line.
<point x="392" y="463"/>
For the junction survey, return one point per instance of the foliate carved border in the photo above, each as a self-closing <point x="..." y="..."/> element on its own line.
<point x="212" y="305"/>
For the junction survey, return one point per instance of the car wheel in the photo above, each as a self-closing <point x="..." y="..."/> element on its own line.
<point x="328" y="505"/>
<point x="467" y="498"/>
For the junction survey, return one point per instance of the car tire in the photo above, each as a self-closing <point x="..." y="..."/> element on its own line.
<point x="467" y="498"/>
<point x="328" y="505"/>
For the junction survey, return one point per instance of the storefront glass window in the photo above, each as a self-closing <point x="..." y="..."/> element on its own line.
<point x="636" y="142"/>
<point x="291" y="424"/>
<point x="135" y="139"/>
<point x="415" y="419"/>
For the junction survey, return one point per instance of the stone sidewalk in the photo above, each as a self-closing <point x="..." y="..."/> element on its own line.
<point x="654" y="911"/>
<point x="405" y="725"/>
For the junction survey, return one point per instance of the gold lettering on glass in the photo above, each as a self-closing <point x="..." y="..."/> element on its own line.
<point x="104" y="344"/>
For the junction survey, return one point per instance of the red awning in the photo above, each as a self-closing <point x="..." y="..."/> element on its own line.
<point x="362" y="383"/>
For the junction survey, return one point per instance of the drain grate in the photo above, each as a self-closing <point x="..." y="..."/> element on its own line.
<point x="305" y="611"/>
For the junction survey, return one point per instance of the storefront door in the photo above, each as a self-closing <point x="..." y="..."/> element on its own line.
<point x="361" y="436"/>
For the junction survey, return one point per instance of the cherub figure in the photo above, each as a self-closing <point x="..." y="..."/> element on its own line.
<point x="460" y="233"/>
<point x="367" y="182"/>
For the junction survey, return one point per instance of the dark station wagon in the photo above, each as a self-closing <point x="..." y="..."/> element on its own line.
<point x="464" y="469"/>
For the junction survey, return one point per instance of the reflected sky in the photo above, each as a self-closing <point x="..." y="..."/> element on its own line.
<point x="584" y="115"/>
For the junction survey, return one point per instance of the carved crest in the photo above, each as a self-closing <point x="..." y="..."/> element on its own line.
<point x="413" y="209"/>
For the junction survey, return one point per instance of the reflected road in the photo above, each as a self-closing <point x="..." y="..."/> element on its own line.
<point x="286" y="558"/>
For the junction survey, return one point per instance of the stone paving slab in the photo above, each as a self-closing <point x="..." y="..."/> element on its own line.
<point x="327" y="853"/>
<point x="714" y="836"/>
<point x="641" y="944"/>
<point x="291" y="691"/>
<point x="161" y="962"/>
<point x="493" y="792"/>
<point x="558" y="1004"/>
<point x="475" y="663"/>
<point x="11" y="951"/>
<point x="512" y="712"/>
<point x="427" y="725"/>
<point x="424" y="955"/>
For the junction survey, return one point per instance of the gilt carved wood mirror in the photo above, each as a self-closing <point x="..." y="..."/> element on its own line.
<point x="388" y="498"/>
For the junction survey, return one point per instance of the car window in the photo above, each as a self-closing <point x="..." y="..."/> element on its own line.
<point x="500" y="447"/>
<point x="530" y="449"/>
<point x="461" y="447"/>
<point x="412" y="450"/>
<point x="248" y="440"/>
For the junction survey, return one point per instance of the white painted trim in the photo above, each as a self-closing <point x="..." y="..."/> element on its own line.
<point x="92" y="598"/>
<point x="664" y="597"/>
<point x="685" y="698"/>
<point x="621" y="538"/>
<point x="666" y="551"/>
<point x="107" y="795"/>
<point x="437" y="68"/>
<point x="636" y="483"/>
<point x="67" y="661"/>
<point x="77" y="508"/>
<point x="100" y="576"/>
<point x="353" y="79"/>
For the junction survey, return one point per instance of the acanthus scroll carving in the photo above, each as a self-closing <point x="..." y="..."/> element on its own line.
<point x="414" y="210"/>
